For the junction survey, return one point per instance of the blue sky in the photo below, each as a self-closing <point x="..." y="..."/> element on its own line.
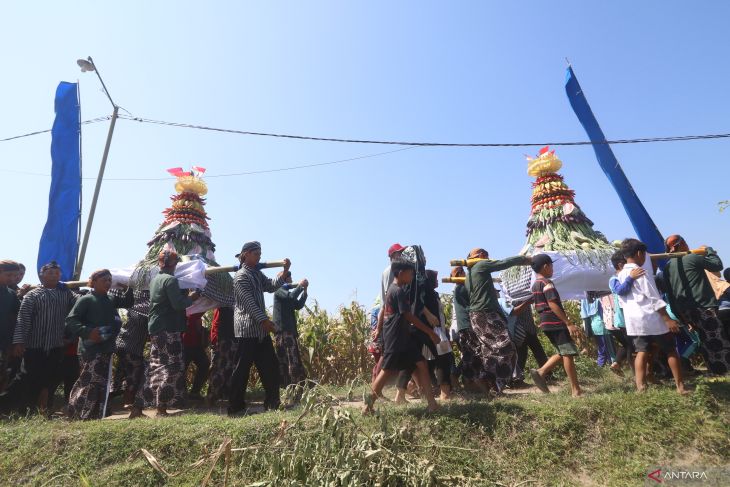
<point x="425" y="71"/>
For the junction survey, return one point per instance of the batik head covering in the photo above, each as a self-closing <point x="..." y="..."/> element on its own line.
<point x="167" y="258"/>
<point x="8" y="266"/>
<point x="51" y="265"/>
<point x="476" y="251"/>
<point x="672" y="242"/>
<point x="98" y="274"/>
<point x="248" y="247"/>
<point x="457" y="272"/>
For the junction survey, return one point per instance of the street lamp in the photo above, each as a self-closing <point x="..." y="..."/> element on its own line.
<point x="88" y="65"/>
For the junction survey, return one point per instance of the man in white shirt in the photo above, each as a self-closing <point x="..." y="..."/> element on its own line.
<point x="647" y="323"/>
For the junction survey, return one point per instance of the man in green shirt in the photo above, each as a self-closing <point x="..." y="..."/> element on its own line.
<point x="165" y="382"/>
<point x="288" y="300"/>
<point x="692" y="298"/>
<point x="95" y="320"/>
<point x="495" y="354"/>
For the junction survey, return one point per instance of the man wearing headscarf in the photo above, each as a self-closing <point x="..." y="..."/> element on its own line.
<point x="94" y="319"/>
<point x="692" y="298"/>
<point x="165" y="383"/>
<point x="39" y="337"/>
<point x="495" y="353"/>
<point x="253" y="329"/>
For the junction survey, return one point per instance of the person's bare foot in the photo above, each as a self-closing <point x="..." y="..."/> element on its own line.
<point x="577" y="393"/>
<point x="641" y="390"/>
<point x="162" y="412"/>
<point x="682" y="391"/>
<point x="432" y="408"/>
<point x="369" y="400"/>
<point x="445" y="397"/>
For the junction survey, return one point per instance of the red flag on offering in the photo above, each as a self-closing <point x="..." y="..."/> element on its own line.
<point x="175" y="171"/>
<point x="201" y="170"/>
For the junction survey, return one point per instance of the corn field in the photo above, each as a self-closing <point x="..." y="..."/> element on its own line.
<point x="334" y="348"/>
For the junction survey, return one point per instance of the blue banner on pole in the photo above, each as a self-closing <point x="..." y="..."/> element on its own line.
<point x="643" y="225"/>
<point x="60" y="238"/>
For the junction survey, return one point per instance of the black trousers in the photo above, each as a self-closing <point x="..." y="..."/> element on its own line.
<point x="197" y="356"/>
<point x="533" y="343"/>
<point x="252" y="351"/>
<point x="39" y="370"/>
<point x="626" y="350"/>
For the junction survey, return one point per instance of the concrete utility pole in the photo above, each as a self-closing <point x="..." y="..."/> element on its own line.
<point x="88" y="65"/>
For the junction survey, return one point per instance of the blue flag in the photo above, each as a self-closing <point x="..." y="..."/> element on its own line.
<point x="60" y="239"/>
<point x="643" y="225"/>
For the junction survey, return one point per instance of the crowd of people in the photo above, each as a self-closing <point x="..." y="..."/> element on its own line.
<point x="52" y="335"/>
<point x="655" y="319"/>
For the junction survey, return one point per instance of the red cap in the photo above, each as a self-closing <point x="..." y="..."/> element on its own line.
<point x="396" y="247"/>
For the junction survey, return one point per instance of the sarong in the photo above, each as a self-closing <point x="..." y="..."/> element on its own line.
<point x="714" y="340"/>
<point x="493" y="348"/>
<point x="165" y="384"/>
<point x="90" y="389"/>
<point x="471" y="367"/>
<point x="223" y="362"/>
<point x="291" y="370"/>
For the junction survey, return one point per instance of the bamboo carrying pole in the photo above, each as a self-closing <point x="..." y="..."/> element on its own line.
<point x="462" y="280"/>
<point x="673" y="255"/>
<point x="208" y="271"/>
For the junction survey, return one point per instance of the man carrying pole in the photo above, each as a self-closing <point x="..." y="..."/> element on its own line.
<point x="253" y="329"/>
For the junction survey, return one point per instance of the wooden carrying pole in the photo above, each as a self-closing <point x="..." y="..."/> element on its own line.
<point x="462" y="280"/>
<point x="208" y="271"/>
<point x="673" y="255"/>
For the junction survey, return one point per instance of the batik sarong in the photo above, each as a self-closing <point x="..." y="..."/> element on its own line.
<point x="714" y="340"/>
<point x="165" y="383"/>
<point x="223" y="362"/>
<point x="89" y="392"/>
<point x="291" y="369"/>
<point x="493" y="347"/>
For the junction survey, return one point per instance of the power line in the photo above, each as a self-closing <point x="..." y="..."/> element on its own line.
<point x="425" y="144"/>
<point x="85" y="122"/>
<point x="246" y="173"/>
<point x="641" y="140"/>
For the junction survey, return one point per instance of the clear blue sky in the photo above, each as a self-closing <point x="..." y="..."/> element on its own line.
<point x="427" y="71"/>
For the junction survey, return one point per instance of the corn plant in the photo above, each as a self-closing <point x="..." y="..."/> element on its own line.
<point x="334" y="348"/>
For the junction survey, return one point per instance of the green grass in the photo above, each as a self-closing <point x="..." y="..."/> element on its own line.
<point x="612" y="436"/>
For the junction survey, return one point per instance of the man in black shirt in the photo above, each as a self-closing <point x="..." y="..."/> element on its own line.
<point x="400" y="350"/>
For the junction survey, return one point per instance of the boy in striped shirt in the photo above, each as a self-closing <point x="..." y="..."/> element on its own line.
<point x="555" y="324"/>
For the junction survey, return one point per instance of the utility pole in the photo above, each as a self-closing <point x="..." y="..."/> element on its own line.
<point x="88" y="65"/>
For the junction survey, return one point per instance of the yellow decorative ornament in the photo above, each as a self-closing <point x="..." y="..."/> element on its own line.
<point x="190" y="181"/>
<point x="545" y="163"/>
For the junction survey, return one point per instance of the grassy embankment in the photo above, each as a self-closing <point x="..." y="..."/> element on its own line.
<point x="612" y="436"/>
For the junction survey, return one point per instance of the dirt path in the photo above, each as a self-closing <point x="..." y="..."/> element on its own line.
<point x="199" y="407"/>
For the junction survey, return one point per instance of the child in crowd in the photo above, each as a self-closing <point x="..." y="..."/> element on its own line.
<point x="591" y="312"/>
<point x="442" y="357"/>
<point x="400" y="350"/>
<point x="647" y="321"/>
<point x="555" y="324"/>
<point x="618" y="288"/>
